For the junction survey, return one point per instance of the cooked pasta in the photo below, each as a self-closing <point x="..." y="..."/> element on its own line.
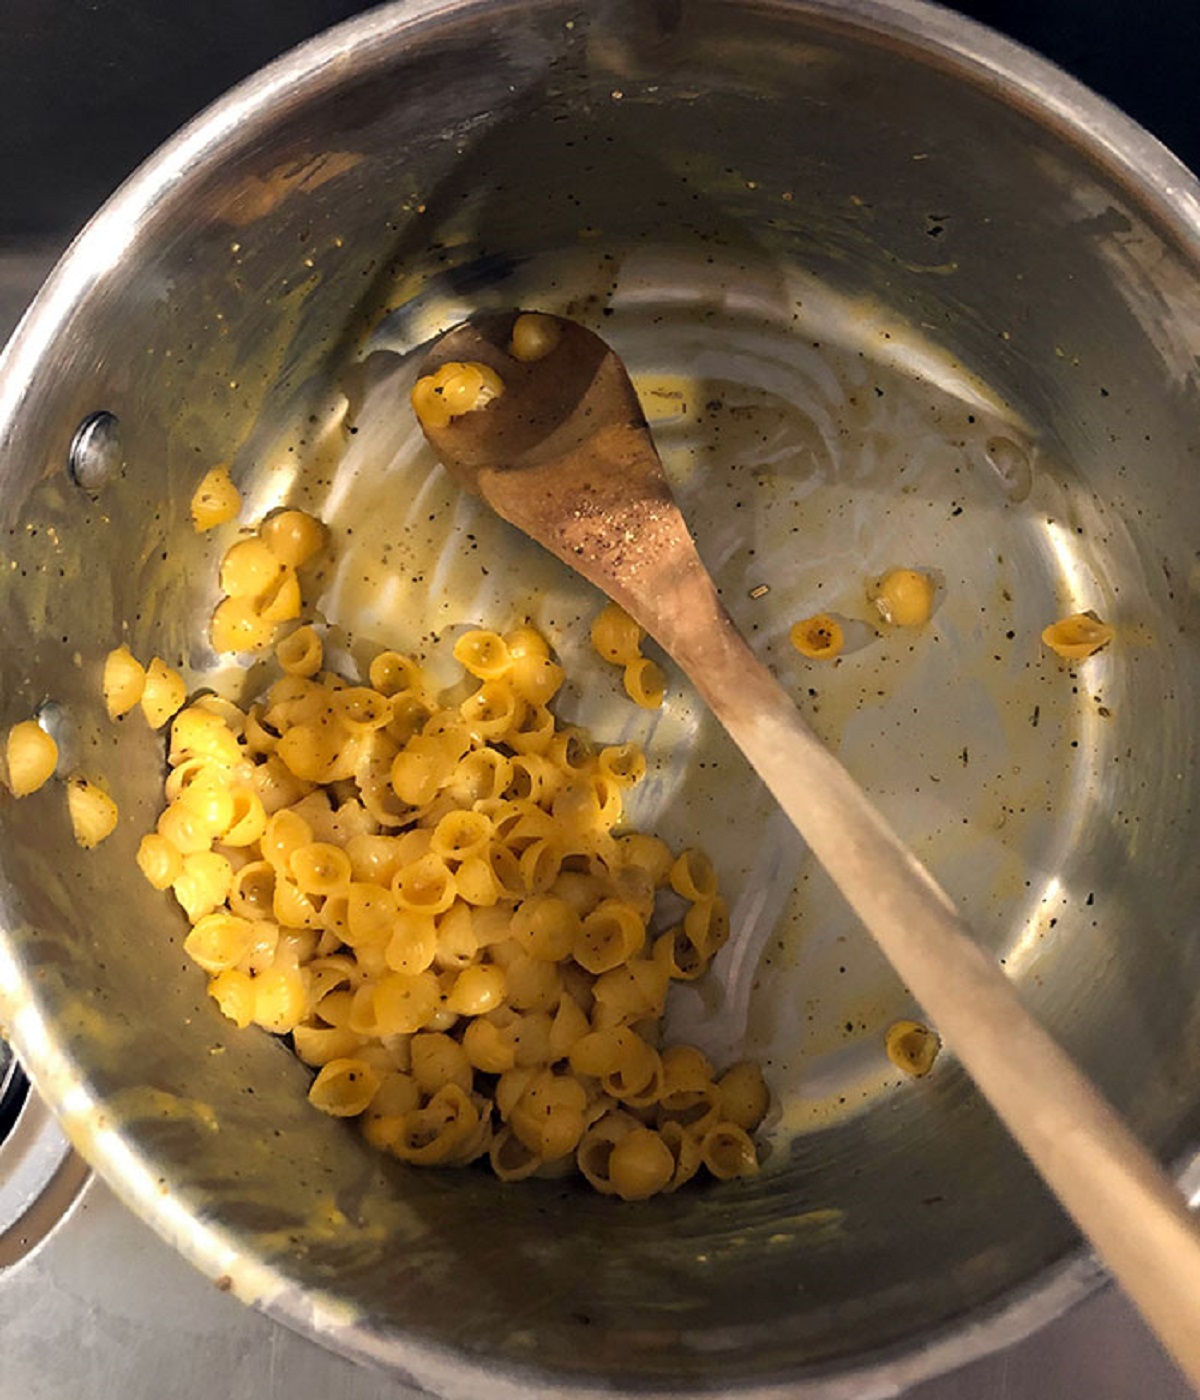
<point x="249" y="568"/>
<point x="727" y="1151"/>
<point x="534" y="336"/>
<point x="912" y="1047"/>
<point x="640" y="1165"/>
<point x="203" y="883"/>
<point x="31" y="755"/>
<point x="1077" y="637"/>
<point x="618" y="639"/>
<point x="237" y="626"/>
<point x="281" y="601"/>
<point x="123" y="683"/>
<point x="436" y="898"/>
<point x="645" y="683"/>
<point x="819" y="637"/>
<point x="159" y="860"/>
<point x="904" y="597"/>
<point x="216" y="500"/>
<point x="344" y="1088"/>
<point x="93" y="813"/>
<point x="744" y="1095"/>
<point x="162" y="694"/>
<point x="692" y="876"/>
<point x="300" y="653"/>
<point x="262" y="590"/>
<point x="454" y="389"/>
<point x="293" y="536"/>
<point x="219" y="941"/>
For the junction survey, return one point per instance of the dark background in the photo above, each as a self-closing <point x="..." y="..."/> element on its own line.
<point x="88" y="88"/>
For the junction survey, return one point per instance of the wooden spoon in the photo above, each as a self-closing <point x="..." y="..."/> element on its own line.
<point x="564" y="454"/>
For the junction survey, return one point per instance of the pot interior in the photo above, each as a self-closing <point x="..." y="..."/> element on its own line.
<point x="883" y="310"/>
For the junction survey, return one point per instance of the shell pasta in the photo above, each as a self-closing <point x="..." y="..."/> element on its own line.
<point x="435" y="895"/>
<point x="618" y="639"/>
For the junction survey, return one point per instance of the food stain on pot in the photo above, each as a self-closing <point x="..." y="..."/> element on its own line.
<point x="325" y="1223"/>
<point x="826" y="1221"/>
<point x="146" y="1102"/>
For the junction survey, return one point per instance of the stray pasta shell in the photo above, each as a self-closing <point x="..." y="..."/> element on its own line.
<point x="454" y="389"/>
<point x="123" y="683"/>
<point x="31" y="755"/>
<point x="615" y="636"/>
<point x="912" y="1047"/>
<point x="216" y="500"/>
<point x="645" y="683"/>
<point x="1077" y="637"/>
<point x="534" y="336"/>
<point x="819" y="637"/>
<point x="93" y="813"/>
<point x="905" y="597"/>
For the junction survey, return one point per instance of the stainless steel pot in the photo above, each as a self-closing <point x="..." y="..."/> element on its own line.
<point x="797" y="214"/>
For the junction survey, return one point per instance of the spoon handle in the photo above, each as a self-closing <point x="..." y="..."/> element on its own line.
<point x="1118" y="1195"/>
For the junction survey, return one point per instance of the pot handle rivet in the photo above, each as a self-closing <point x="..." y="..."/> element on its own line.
<point x="95" y="450"/>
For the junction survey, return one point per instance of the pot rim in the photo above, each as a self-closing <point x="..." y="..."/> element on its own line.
<point x="1156" y="180"/>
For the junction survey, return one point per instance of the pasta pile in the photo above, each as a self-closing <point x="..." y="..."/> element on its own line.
<point x="438" y="904"/>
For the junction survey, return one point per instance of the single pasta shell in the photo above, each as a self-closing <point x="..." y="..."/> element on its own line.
<point x="93" y="813"/>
